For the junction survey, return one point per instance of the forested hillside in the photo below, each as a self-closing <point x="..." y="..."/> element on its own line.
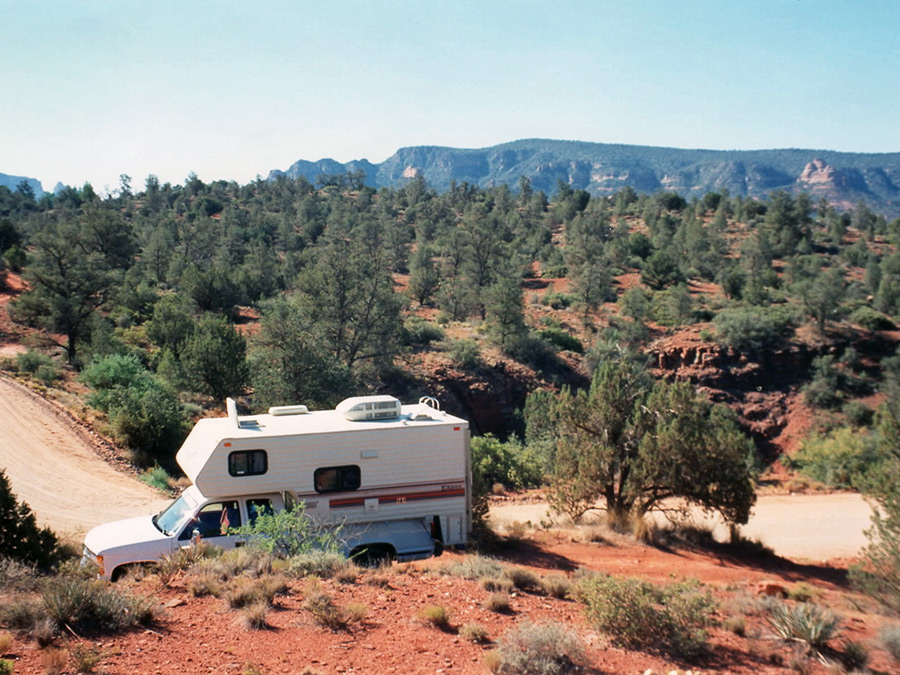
<point x="843" y="178"/>
<point x="162" y="301"/>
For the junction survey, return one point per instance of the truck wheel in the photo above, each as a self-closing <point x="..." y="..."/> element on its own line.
<point x="373" y="555"/>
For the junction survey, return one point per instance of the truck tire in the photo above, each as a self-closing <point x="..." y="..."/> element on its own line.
<point x="373" y="555"/>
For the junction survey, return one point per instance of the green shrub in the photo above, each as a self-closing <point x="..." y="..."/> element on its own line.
<point x="538" y="649"/>
<point x="465" y="353"/>
<point x="144" y="414"/>
<point x="754" y="329"/>
<point x="6" y="667"/>
<point x="156" y="477"/>
<point x="858" y="413"/>
<point x="31" y="361"/>
<point x="871" y="319"/>
<point x="419" y="332"/>
<point x="840" y="458"/>
<point x="558" y="300"/>
<point x="289" y="533"/>
<point x="806" y="623"/>
<point x="561" y="339"/>
<point x="509" y="463"/>
<point x="855" y="656"/>
<point x="637" y="614"/>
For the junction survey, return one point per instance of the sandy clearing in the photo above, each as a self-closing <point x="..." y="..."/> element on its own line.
<point x="814" y="527"/>
<point x="53" y="467"/>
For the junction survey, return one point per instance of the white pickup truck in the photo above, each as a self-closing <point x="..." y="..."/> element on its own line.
<point x="397" y="478"/>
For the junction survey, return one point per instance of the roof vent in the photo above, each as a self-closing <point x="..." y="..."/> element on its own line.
<point x="279" y="410"/>
<point x="362" y="408"/>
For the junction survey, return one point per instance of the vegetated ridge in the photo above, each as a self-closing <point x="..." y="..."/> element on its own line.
<point x="843" y="178"/>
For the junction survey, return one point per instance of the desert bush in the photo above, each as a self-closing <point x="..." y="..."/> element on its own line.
<point x="16" y="575"/>
<point x="254" y="616"/>
<point x="498" y="602"/>
<point x="494" y="584"/>
<point x="356" y="612"/>
<point x="638" y="614"/>
<point x="85" y="658"/>
<point x="475" y="566"/>
<point x="322" y="564"/>
<point x="323" y="609"/>
<point x="473" y="632"/>
<point x="805" y="623"/>
<point x="538" y="649"/>
<point x="94" y="606"/>
<point x="858" y="414"/>
<point x="6" y="640"/>
<point x="55" y="661"/>
<point x="737" y="624"/>
<point x="801" y="592"/>
<point x="556" y="586"/>
<point x="889" y="636"/>
<point x="6" y="667"/>
<point x="244" y="592"/>
<point x="523" y="579"/>
<point x="854" y="656"/>
<point x="436" y="615"/>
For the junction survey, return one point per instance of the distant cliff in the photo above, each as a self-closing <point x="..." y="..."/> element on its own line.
<point x="843" y="178"/>
<point x="12" y="182"/>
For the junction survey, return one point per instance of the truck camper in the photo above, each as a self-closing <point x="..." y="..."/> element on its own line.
<point x="395" y="477"/>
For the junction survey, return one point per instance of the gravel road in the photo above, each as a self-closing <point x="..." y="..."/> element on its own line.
<point x="814" y="527"/>
<point x="53" y="467"/>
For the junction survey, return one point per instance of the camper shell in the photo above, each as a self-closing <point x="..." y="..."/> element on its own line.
<point x="396" y="478"/>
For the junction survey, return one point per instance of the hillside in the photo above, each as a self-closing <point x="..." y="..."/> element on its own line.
<point x="840" y="177"/>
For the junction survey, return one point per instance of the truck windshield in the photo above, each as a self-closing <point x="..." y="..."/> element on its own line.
<point x="169" y="519"/>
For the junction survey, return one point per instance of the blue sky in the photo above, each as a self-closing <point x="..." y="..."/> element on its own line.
<point x="91" y="89"/>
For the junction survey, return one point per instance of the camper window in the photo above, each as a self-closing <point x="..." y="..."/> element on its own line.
<point x="337" y="479"/>
<point x="248" y="463"/>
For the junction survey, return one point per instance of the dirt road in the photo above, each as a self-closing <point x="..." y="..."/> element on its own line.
<point x="53" y="468"/>
<point x="813" y="527"/>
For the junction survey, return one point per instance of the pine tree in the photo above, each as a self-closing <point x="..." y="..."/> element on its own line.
<point x="20" y="537"/>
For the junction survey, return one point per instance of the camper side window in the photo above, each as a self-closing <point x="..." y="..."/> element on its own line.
<point x="337" y="479"/>
<point x="248" y="463"/>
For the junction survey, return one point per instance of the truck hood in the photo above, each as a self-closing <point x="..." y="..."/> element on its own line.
<point x="122" y="533"/>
